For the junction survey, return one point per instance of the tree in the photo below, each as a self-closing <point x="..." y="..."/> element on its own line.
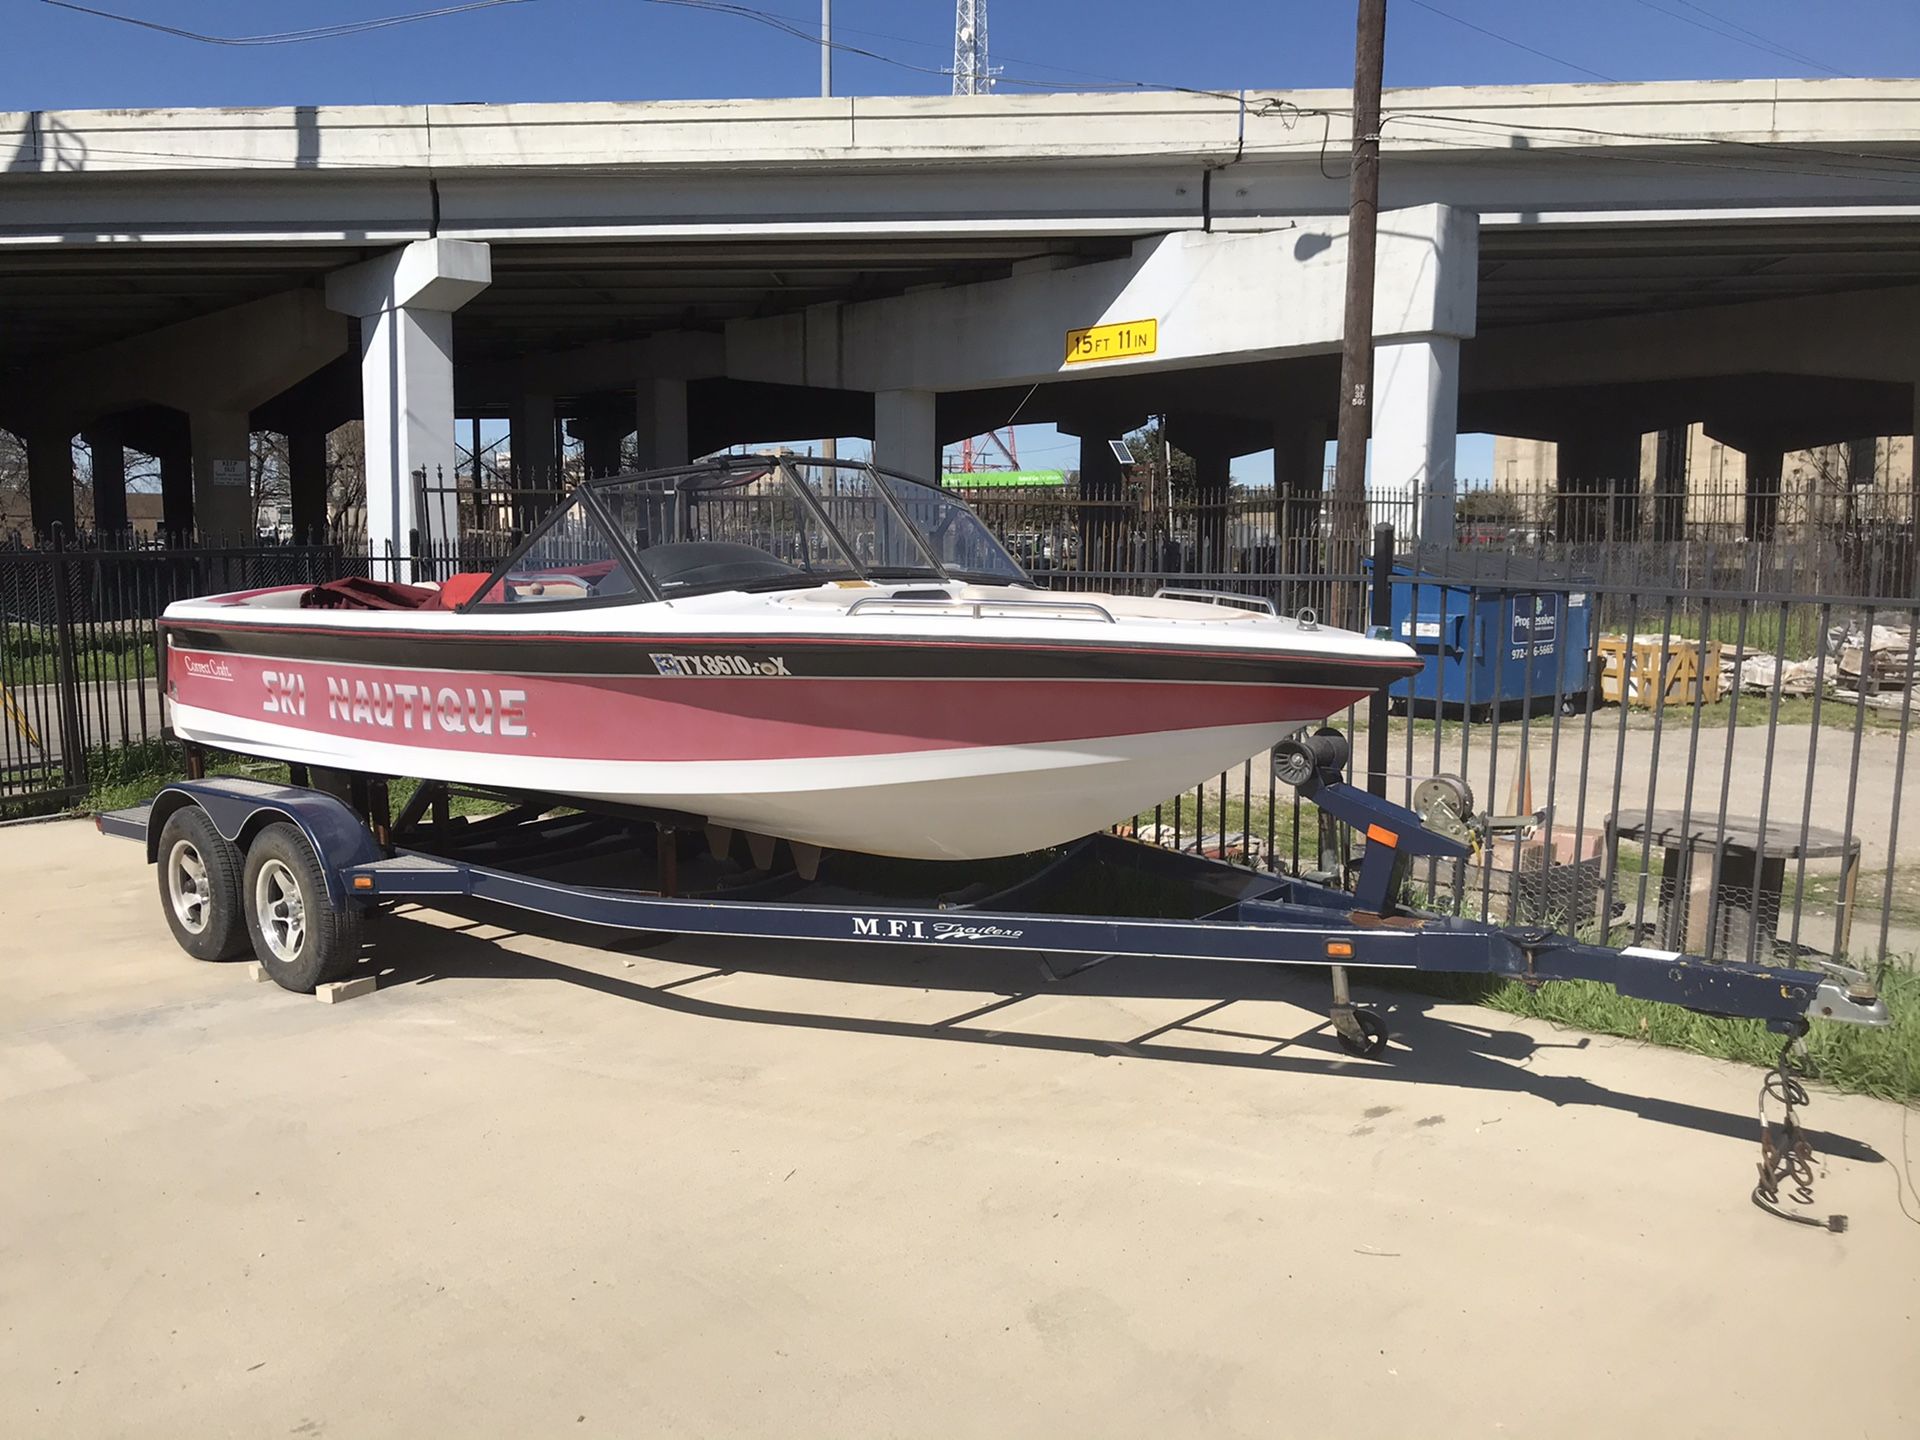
<point x="270" y="473"/>
<point x="1151" y="454"/>
<point x="15" y="505"/>
<point x="347" y="480"/>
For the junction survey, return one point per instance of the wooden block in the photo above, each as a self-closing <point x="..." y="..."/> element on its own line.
<point x="257" y="971"/>
<point x="347" y="989"/>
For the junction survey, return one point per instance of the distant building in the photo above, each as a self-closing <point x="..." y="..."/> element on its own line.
<point x="1705" y="484"/>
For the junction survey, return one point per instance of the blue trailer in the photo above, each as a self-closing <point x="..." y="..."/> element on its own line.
<point x="288" y="873"/>
<point x="1494" y="630"/>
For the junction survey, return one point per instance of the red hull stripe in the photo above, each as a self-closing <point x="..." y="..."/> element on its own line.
<point x="659" y="718"/>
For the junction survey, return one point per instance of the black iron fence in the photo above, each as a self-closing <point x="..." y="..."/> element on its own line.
<point x="1717" y="759"/>
<point x="1715" y="771"/>
<point x="1759" y="537"/>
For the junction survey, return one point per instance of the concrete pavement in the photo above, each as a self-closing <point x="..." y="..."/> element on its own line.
<point x="533" y="1187"/>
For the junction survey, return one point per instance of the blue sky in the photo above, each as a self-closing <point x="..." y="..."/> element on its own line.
<point x="54" y="58"/>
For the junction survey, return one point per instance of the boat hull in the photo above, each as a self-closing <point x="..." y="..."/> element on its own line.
<point x="953" y="803"/>
<point x="958" y="753"/>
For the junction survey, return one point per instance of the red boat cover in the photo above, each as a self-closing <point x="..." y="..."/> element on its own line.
<point x="456" y="590"/>
<point x="354" y="593"/>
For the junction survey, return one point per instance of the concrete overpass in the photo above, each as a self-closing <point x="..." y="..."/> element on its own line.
<point x="1581" y="263"/>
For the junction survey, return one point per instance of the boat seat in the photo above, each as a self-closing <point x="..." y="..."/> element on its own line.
<point x="711" y="564"/>
<point x="457" y="590"/>
<point x="356" y="592"/>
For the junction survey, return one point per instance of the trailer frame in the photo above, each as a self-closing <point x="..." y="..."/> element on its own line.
<point x="366" y="859"/>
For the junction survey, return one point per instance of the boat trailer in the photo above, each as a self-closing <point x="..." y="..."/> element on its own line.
<point x="288" y="872"/>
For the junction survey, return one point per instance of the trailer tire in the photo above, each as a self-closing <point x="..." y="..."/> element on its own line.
<point x="199" y="871"/>
<point x="297" y="934"/>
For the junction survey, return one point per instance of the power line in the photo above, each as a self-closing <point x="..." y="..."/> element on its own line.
<point x="797" y="27"/>
<point x="284" y="37"/>
<point x="1509" y="40"/>
<point x="1726" y="30"/>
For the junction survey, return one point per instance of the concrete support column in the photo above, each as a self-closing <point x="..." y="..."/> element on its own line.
<point x="600" y="431"/>
<point x="1765" y="464"/>
<point x="1299" y="482"/>
<point x="533" y="443"/>
<point x="307" y="480"/>
<point x="1670" y="483"/>
<point x="1212" y="475"/>
<point x="50" y="478"/>
<point x="904" y="438"/>
<point x="602" y="446"/>
<point x="107" y="445"/>
<point x="660" y="423"/>
<point x="175" y="454"/>
<point x="222" y="474"/>
<point x="405" y="300"/>
<point x="1416" y="417"/>
<point x="1598" y="484"/>
<point x="1913" y="461"/>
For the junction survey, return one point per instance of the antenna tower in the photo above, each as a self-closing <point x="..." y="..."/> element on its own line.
<point x="971" y="73"/>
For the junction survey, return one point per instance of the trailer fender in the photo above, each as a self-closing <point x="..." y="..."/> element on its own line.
<point x="239" y="811"/>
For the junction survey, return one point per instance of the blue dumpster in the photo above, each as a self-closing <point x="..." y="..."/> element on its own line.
<point x="1494" y="629"/>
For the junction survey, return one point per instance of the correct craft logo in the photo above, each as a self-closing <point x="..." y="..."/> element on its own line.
<point x="692" y="665"/>
<point x="211" y="667"/>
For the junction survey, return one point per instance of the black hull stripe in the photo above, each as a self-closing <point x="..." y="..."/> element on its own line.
<point x="804" y="657"/>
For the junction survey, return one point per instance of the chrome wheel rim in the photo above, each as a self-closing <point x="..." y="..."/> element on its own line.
<point x="189" y="890"/>
<point x="283" y="915"/>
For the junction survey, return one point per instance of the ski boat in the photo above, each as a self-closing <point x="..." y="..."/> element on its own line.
<point x="819" y="651"/>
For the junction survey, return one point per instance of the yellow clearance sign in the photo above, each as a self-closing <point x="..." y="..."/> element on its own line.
<point x="1124" y="340"/>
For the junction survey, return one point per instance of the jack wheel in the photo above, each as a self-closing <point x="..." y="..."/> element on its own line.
<point x="1372" y="1043"/>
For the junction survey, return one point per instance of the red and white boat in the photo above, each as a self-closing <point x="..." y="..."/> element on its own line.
<point x="818" y="651"/>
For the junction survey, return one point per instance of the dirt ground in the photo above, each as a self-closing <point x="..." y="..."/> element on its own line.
<point x="534" y="1187"/>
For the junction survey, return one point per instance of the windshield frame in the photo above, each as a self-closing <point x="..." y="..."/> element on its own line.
<point x="729" y="472"/>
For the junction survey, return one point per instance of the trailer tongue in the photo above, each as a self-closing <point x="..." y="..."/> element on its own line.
<point x="289" y="871"/>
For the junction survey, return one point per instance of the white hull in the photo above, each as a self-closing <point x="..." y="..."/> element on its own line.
<point x="964" y="803"/>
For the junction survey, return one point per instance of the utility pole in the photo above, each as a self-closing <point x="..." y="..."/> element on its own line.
<point x="826" y="49"/>
<point x="1348" y="519"/>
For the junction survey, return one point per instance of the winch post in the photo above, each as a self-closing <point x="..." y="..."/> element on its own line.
<point x="1394" y="834"/>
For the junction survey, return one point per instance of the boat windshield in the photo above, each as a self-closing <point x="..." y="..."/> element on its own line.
<point x="759" y="525"/>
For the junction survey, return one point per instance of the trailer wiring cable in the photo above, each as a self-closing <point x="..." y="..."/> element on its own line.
<point x="1903" y="1180"/>
<point x="1786" y="1155"/>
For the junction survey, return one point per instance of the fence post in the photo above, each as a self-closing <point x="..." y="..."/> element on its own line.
<point x="1379" y="619"/>
<point x="73" y="750"/>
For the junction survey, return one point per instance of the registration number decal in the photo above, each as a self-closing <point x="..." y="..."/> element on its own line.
<point x="699" y="665"/>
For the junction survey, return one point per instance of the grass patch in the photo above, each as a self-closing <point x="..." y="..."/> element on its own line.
<point x="29" y="655"/>
<point x="1837" y="712"/>
<point x="1852" y="1058"/>
<point x="1295" y="827"/>
<point x="128" y="775"/>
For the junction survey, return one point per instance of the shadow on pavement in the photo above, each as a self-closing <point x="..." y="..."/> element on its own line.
<point x="1427" y="1049"/>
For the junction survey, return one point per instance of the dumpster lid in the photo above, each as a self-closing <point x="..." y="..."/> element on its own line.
<point x="1485" y="567"/>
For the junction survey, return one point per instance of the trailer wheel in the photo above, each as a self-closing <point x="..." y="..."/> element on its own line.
<point x="1372" y="1043"/>
<point x="200" y="886"/>
<point x="296" y="932"/>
